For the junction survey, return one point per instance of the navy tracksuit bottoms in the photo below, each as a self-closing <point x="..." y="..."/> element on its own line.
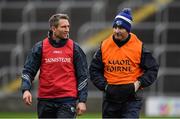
<point x="126" y="109"/>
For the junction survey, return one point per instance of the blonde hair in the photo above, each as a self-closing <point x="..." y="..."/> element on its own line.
<point x="54" y="19"/>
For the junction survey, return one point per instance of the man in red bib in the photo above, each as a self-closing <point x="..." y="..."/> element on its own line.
<point x="121" y="68"/>
<point x="62" y="90"/>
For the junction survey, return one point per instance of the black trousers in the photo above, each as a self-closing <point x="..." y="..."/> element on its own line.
<point x="52" y="109"/>
<point x="126" y="109"/>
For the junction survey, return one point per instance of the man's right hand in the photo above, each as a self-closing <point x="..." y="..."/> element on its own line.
<point x="27" y="97"/>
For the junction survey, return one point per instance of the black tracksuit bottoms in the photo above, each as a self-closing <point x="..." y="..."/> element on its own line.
<point x="53" y="109"/>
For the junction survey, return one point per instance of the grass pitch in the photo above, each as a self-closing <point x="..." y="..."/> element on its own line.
<point x="31" y="115"/>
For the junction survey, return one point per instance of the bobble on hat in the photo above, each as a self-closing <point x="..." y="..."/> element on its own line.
<point x="124" y="19"/>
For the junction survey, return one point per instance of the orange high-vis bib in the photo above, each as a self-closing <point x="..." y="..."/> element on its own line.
<point x="122" y="64"/>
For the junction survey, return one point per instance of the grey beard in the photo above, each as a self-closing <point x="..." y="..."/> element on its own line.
<point x="118" y="34"/>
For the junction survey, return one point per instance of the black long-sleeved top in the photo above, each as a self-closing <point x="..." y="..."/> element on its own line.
<point x="148" y="64"/>
<point x="33" y="63"/>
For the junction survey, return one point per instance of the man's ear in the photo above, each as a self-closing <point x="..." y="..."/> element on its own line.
<point x="53" y="28"/>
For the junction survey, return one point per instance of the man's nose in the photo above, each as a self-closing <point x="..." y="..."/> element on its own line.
<point x="66" y="28"/>
<point x="117" y="30"/>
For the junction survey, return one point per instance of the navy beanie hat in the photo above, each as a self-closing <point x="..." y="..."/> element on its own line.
<point x="124" y="19"/>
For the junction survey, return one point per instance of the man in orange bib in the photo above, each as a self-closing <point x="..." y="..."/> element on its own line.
<point x="122" y="67"/>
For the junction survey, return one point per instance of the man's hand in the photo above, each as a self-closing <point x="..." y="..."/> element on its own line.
<point x="137" y="84"/>
<point x="27" y="97"/>
<point x="81" y="108"/>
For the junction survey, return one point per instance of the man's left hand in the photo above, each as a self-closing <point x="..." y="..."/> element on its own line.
<point x="81" y="108"/>
<point x="137" y="84"/>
